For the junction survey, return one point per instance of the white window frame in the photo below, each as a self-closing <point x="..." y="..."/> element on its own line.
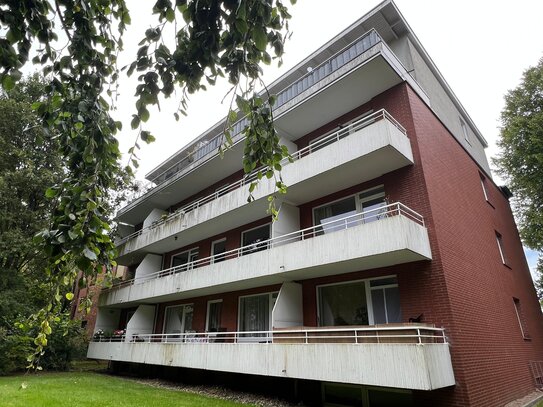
<point x="256" y="227"/>
<point x="213" y="243"/>
<point x="271" y="299"/>
<point x="338" y="128"/>
<point x="483" y="180"/>
<point x="465" y="131"/>
<point x="174" y="306"/>
<point x="191" y="252"/>
<point x="207" y="311"/>
<point x="499" y="241"/>
<point x="367" y="289"/>
<point x="357" y="201"/>
<point x="516" y="304"/>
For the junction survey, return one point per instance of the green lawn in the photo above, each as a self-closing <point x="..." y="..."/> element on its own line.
<point x="80" y="389"/>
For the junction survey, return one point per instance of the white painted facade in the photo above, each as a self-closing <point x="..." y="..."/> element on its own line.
<point x="406" y="366"/>
<point x="385" y="242"/>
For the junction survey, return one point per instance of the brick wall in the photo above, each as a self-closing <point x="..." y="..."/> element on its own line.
<point x="489" y="354"/>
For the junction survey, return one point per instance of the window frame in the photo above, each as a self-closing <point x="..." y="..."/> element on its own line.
<point x="248" y="251"/>
<point x="501" y="248"/>
<point x="174" y="306"/>
<point x="191" y="252"/>
<point x="213" y="243"/>
<point x="367" y="288"/>
<point x="339" y="127"/>
<point x="358" y="201"/>
<point x="520" y="318"/>
<point x="271" y="306"/>
<point x="208" y="308"/>
<point x="465" y="132"/>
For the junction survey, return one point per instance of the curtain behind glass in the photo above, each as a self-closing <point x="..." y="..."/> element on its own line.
<point x="255" y="313"/>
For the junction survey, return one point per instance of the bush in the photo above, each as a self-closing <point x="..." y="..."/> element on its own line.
<point x="14" y="349"/>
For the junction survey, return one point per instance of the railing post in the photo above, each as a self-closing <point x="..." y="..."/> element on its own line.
<point x="306" y="339"/>
<point x="355" y="336"/>
<point x="418" y="334"/>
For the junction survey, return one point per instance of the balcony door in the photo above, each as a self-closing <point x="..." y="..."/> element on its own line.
<point x="178" y="320"/>
<point x="332" y="216"/>
<point x="255" y="314"/>
<point x="364" y="302"/>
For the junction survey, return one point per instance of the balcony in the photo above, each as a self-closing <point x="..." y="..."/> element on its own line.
<point x="350" y="77"/>
<point x="372" y="146"/>
<point x="385" y="236"/>
<point x="401" y="356"/>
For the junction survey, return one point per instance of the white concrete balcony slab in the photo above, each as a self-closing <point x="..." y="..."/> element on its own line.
<point x="407" y="357"/>
<point x="369" y="147"/>
<point x="389" y="235"/>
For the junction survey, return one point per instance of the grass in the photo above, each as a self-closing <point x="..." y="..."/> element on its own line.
<point x="93" y="389"/>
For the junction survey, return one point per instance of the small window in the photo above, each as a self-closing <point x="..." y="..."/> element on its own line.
<point x="520" y="318"/>
<point x="499" y="241"/>
<point x="465" y="131"/>
<point x="483" y="186"/>
<point x="185" y="258"/>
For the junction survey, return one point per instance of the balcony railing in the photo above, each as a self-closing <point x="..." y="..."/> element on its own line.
<point x="248" y="179"/>
<point x="415" y="334"/>
<point x="383" y="212"/>
<point x="317" y="74"/>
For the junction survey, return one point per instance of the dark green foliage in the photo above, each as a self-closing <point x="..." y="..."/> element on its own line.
<point x="29" y="162"/>
<point x="520" y="161"/>
<point x="77" y="45"/>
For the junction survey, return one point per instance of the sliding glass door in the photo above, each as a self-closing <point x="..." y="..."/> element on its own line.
<point x="364" y="302"/>
<point x="177" y="320"/>
<point x="255" y="314"/>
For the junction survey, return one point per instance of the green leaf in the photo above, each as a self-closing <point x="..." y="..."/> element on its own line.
<point x="50" y="193"/>
<point x="69" y="296"/>
<point x="260" y="38"/>
<point x="7" y="82"/>
<point x="89" y="254"/>
<point x="135" y="122"/>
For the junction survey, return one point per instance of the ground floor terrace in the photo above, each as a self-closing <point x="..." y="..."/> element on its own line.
<point x="356" y="329"/>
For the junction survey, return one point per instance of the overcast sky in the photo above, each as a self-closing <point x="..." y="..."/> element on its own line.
<point x="481" y="48"/>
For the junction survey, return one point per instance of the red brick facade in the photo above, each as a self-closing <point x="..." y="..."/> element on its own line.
<point x="465" y="288"/>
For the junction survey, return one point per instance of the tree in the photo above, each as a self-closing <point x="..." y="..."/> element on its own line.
<point x="520" y="161"/>
<point x="78" y="46"/>
<point x="28" y="163"/>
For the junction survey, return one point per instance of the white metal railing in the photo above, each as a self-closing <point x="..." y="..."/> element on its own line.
<point x="385" y="211"/>
<point x="414" y="334"/>
<point x="318" y="73"/>
<point x="248" y="179"/>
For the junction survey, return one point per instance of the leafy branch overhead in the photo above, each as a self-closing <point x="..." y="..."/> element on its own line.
<point x="77" y="43"/>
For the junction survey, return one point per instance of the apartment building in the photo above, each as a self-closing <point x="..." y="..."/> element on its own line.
<point x="394" y="275"/>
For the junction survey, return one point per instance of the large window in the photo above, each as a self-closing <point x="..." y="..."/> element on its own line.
<point x="343" y="130"/>
<point x="214" y="309"/>
<point x="255" y="239"/>
<point x="255" y="312"/>
<point x="365" y="302"/>
<point x="185" y="259"/>
<point x="178" y="319"/>
<point x="332" y="215"/>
